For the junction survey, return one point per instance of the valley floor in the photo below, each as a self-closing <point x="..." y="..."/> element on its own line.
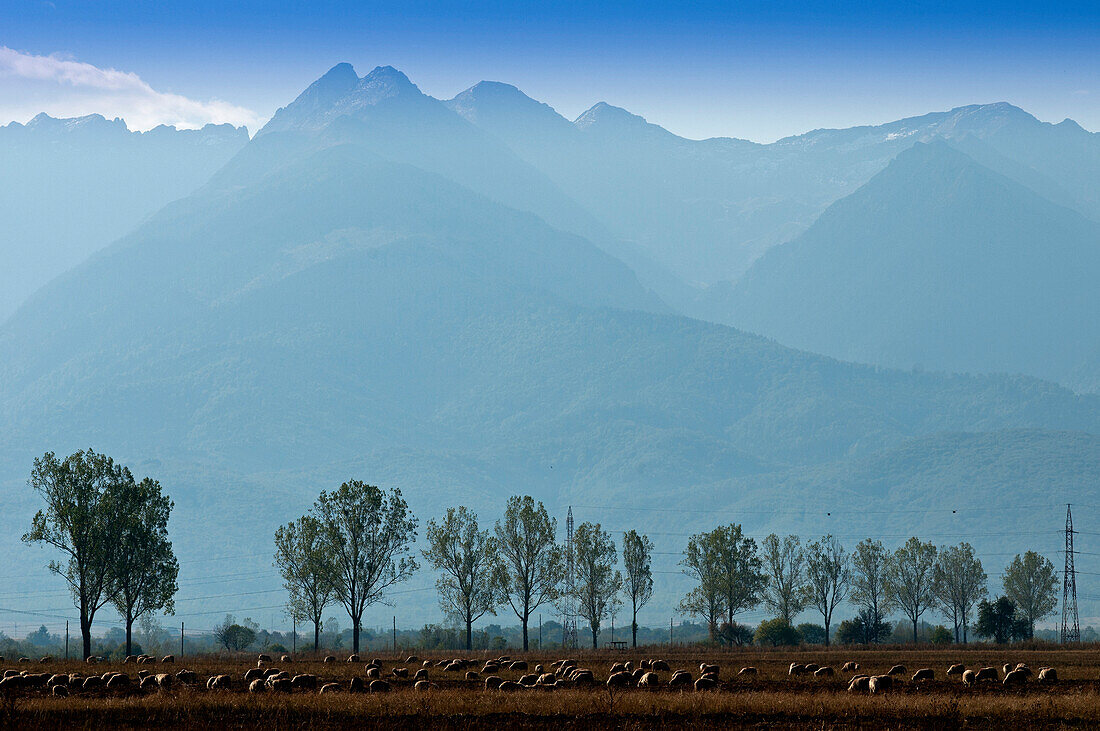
<point x="769" y="700"/>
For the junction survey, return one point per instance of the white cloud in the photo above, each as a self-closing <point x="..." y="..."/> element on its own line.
<point x="63" y="87"/>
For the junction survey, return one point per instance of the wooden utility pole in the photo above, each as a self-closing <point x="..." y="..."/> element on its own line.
<point x="66" y="639"/>
<point x="670" y="631"/>
<point x="181" y="639"/>
<point x="395" y="634"/>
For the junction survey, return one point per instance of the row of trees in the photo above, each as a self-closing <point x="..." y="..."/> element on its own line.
<point x="113" y="532"/>
<point x="356" y="543"/>
<point x="733" y="574"/>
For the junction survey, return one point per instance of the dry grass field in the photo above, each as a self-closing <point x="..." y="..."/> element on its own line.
<point x="770" y="699"/>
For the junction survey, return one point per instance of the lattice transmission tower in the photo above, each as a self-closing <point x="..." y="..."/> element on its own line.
<point x="569" y="601"/>
<point x="1071" y="629"/>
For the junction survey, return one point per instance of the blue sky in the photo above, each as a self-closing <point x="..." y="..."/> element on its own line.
<point x="759" y="70"/>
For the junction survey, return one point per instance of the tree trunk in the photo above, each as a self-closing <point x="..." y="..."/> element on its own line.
<point x="525" y="634"/>
<point x="316" y="635"/>
<point x="914" y="631"/>
<point x="595" y="634"/>
<point x="826" y="633"/>
<point x="129" y="635"/>
<point x="634" y="630"/>
<point x="469" y="634"/>
<point x="355" y="634"/>
<point x="86" y="633"/>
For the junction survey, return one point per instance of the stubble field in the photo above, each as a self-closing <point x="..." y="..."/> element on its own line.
<point x="770" y="699"/>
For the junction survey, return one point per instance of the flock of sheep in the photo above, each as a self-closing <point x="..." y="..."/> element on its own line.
<point x="562" y="673"/>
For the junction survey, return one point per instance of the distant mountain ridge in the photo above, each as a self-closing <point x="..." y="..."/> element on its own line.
<point x="74" y="185"/>
<point x="937" y="262"/>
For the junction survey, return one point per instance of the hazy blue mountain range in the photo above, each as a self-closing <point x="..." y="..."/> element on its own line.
<point x="352" y="296"/>
<point x="71" y="186"/>
<point x="706" y="209"/>
<point x="938" y="262"/>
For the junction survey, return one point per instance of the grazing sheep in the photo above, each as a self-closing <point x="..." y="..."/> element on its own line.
<point x="118" y="682"/>
<point x="304" y="681"/>
<point x="220" y="682"/>
<point x="796" y="669"/>
<point x="824" y="672"/>
<point x="658" y="665"/>
<point x="860" y="683"/>
<point x="472" y="675"/>
<point x="12" y="682"/>
<point x="528" y="680"/>
<point x="373" y="672"/>
<point x="57" y="680"/>
<point x="747" y="671"/>
<point x="644" y="665"/>
<point x="509" y="686"/>
<point x="129" y="659"/>
<point x="850" y="666"/>
<point x="379" y="686"/>
<point x="924" y="674"/>
<point x="353" y="658"/>
<point x="149" y="682"/>
<point x="618" y="667"/>
<point x="493" y="682"/>
<point x="649" y="680"/>
<point x="91" y="659"/>
<point x="705" y="669"/>
<point x="59" y="691"/>
<point x="490" y="667"/>
<point x="253" y="673"/>
<point x="286" y="658"/>
<point x="356" y="685"/>
<point x="620" y="679"/>
<point x="421" y="674"/>
<point x="1015" y="677"/>
<point x="582" y="676"/>
<point x="1048" y="675"/>
<point x="518" y="665"/>
<point x="680" y="677"/>
<point x="330" y="659"/>
<point x="331" y="687"/>
<point x="956" y="669"/>
<point x="280" y="685"/>
<point x="423" y="685"/>
<point x="707" y="682"/>
<point x="411" y="659"/>
<point x="880" y="683"/>
<point x="264" y="658"/>
<point x="812" y="667"/>
<point x="986" y="674"/>
<point x="375" y="662"/>
<point x="92" y="683"/>
<point x="629" y="666"/>
<point x="539" y="669"/>
<point x="1023" y="668"/>
<point x="186" y="676"/>
<point x="636" y="675"/>
<point x="257" y="686"/>
<point x="426" y="664"/>
<point x="271" y="672"/>
<point x="164" y="680"/>
<point x="168" y="658"/>
<point x="400" y="672"/>
<point x="969" y="678"/>
<point x="46" y="659"/>
<point x="547" y="679"/>
<point x="896" y="670"/>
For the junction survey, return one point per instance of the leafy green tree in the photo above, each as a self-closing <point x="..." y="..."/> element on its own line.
<point x="303" y="558"/>
<point x="910" y="579"/>
<point x="776" y="632"/>
<point x="144" y="567"/>
<point x="940" y="635"/>
<point x="860" y="631"/>
<point x="869" y="570"/>
<point x="785" y="567"/>
<point x="367" y="532"/>
<point x="637" y="562"/>
<point x="232" y="636"/>
<point x="700" y="562"/>
<point x="1030" y="582"/>
<point x="597" y="583"/>
<point x="735" y="634"/>
<point x="828" y="577"/>
<point x="1000" y="621"/>
<point x="959" y="583"/>
<point x="531" y="562"/>
<point x="811" y="634"/>
<point x="79" y="521"/>
<point x="470" y="584"/>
